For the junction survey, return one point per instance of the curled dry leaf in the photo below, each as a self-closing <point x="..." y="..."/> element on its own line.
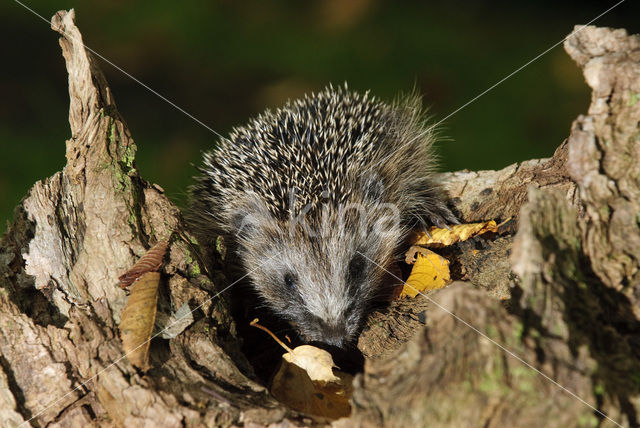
<point x="437" y="238"/>
<point x="317" y="362"/>
<point x="307" y="381"/>
<point x="150" y="262"/>
<point x="138" y="318"/>
<point x="430" y="272"/>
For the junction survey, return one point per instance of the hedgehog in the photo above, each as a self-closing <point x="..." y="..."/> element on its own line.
<point x="317" y="198"/>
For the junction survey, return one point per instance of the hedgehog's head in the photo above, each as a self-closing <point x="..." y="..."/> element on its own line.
<point x="321" y="270"/>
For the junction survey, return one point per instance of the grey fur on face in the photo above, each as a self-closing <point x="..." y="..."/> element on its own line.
<point x="320" y="182"/>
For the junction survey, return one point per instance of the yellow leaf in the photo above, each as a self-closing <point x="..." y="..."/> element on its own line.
<point x="461" y="232"/>
<point x="429" y="272"/>
<point x="138" y="318"/>
<point x="307" y="382"/>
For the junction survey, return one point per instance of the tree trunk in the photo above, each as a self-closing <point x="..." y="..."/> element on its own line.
<point x="560" y="346"/>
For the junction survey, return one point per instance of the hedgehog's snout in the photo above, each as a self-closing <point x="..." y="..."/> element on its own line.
<point x="335" y="334"/>
<point x="338" y="332"/>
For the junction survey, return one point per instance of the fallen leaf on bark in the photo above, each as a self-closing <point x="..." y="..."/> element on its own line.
<point x="308" y="382"/>
<point x="430" y="272"/>
<point x="437" y="237"/>
<point x="138" y="318"/>
<point x="150" y="262"/>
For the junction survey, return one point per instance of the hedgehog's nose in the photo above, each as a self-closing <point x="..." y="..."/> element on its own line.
<point x="334" y="334"/>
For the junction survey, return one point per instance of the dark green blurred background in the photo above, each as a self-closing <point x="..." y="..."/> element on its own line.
<point x="226" y="61"/>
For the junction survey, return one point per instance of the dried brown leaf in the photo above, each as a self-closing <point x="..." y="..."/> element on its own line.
<point x="307" y="382"/>
<point x="138" y="318"/>
<point x="150" y="262"/>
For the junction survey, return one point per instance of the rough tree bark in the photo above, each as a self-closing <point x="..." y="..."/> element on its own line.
<point x="568" y="283"/>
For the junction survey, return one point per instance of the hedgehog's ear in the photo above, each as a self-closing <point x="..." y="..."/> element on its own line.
<point x="373" y="187"/>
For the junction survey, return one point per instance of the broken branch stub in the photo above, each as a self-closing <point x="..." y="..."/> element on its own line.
<point x="73" y="235"/>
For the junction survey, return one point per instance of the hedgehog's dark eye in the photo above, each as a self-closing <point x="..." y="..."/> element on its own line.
<point x="290" y="280"/>
<point x="356" y="267"/>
